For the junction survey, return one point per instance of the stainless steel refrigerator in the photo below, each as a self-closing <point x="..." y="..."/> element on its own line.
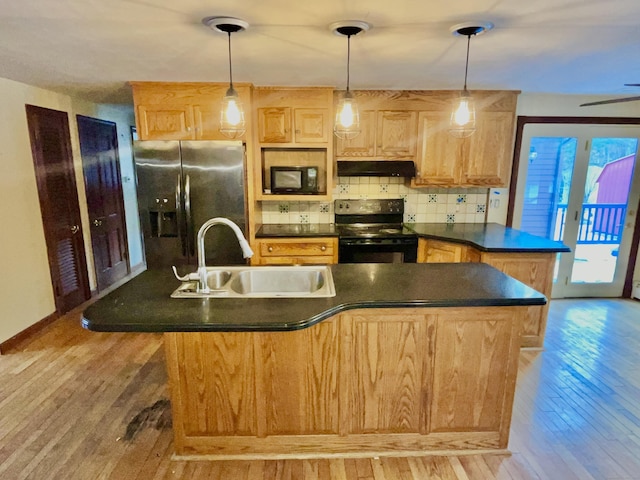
<point x="180" y="186"/>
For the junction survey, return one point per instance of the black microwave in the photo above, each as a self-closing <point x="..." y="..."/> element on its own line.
<point x="302" y="180"/>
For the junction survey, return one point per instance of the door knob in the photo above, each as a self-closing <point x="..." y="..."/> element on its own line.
<point x="97" y="222"/>
<point x="75" y="229"/>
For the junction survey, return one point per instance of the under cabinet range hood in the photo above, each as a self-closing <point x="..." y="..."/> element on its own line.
<point x="376" y="168"/>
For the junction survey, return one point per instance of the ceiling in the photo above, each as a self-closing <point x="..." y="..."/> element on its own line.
<point x="91" y="48"/>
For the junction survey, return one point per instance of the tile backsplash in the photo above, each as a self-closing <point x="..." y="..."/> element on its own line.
<point x="422" y="205"/>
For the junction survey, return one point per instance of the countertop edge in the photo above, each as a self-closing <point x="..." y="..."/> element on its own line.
<point x="311" y="321"/>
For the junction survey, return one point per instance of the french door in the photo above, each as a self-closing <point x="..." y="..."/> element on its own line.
<point x="578" y="184"/>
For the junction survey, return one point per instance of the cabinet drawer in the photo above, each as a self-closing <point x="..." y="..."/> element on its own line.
<point x="298" y="248"/>
<point x="297" y="260"/>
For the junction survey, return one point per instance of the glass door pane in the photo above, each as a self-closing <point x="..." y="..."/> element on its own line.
<point x="575" y="183"/>
<point x="602" y="213"/>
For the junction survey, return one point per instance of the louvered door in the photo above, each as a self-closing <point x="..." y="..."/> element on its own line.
<point x="51" y="149"/>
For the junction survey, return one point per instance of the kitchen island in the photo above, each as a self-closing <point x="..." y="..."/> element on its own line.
<point x="406" y="358"/>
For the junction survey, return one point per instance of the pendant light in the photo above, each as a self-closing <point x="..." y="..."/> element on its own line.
<point x="463" y="116"/>
<point x="347" y="123"/>
<point x="232" y="123"/>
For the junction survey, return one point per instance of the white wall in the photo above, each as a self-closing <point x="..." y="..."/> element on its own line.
<point x="26" y="294"/>
<point x="532" y="105"/>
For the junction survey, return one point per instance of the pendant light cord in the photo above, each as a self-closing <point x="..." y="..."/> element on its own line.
<point x="466" y="66"/>
<point x="348" y="58"/>
<point x="230" y="74"/>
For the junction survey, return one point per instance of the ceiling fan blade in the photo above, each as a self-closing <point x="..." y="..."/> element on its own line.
<point x="615" y="100"/>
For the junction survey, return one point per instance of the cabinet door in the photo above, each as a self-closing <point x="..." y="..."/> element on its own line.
<point x="473" y="365"/>
<point x="439" y="154"/>
<point x="207" y="122"/>
<point x="488" y="158"/>
<point x="395" y="134"/>
<point x="274" y="125"/>
<point x="388" y="375"/>
<point x="311" y="125"/>
<point x="166" y="122"/>
<point x="435" y="251"/>
<point x="362" y="146"/>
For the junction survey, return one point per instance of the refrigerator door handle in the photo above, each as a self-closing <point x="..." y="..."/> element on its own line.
<point x="180" y="219"/>
<point x="187" y="210"/>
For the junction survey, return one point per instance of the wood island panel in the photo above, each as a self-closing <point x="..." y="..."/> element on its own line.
<point x="369" y="381"/>
<point x="535" y="270"/>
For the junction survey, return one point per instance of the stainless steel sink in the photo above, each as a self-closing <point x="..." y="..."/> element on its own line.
<point x="305" y="281"/>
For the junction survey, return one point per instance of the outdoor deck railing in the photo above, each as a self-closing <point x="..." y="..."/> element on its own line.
<point x="599" y="223"/>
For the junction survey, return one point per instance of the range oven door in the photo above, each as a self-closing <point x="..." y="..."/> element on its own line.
<point x="378" y="250"/>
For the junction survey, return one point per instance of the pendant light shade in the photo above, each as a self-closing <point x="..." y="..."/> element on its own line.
<point x="463" y="114"/>
<point x="347" y="122"/>
<point x="232" y="121"/>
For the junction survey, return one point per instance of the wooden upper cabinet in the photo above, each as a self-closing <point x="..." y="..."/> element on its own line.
<point x="312" y="125"/>
<point x="487" y="159"/>
<point x="364" y="145"/>
<point x="439" y="153"/>
<point x="483" y="159"/>
<point x="184" y="111"/>
<point x="384" y="135"/>
<point x="293" y="115"/>
<point x="274" y="125"/>
<point x="165" y="122"/>
<point x="395" y="135"/>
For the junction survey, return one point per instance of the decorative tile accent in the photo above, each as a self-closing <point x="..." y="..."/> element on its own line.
<point x="433" y="198"/>
<point x="451" y="218"/>
<point x="283" y="208"/>
<point x="411" y="218"/>
<point x="324" y="208"/>
<point x="384" y="188"/>
<point x="481" y="208"/>
<point x="462" y="198"/>
<point x="304" y="218"/>
<point x="344" y="188"/>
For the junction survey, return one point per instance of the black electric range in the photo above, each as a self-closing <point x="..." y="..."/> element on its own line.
<point x="371" y="231"/>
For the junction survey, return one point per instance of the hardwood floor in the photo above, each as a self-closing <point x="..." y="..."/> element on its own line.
<point x="83" y="405"/>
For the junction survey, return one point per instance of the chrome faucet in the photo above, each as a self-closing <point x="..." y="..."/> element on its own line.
<point x="202" y="268"/>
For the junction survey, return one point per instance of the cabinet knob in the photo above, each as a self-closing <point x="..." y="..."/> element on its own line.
<point x="270" y="249"/>
<point x="323" y="248"/>
<point x="297" y="131"/>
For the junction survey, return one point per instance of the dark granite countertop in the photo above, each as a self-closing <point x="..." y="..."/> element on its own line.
<point x="489" y="237"/>
<point x="297" y="230"/>
<point x="144" y="303"/>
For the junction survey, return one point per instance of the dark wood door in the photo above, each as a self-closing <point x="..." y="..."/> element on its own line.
<point x="103" y="185"/>
<point x="53" y="161"/>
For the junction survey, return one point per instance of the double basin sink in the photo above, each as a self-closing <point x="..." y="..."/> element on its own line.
<point x="304" y="281"/>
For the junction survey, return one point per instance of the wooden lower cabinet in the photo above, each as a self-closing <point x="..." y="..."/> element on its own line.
<point x="295" y="251"/>
<point x="533" y="269"/>
<point x="370" y="381"/>
<point x="436" y="251"/>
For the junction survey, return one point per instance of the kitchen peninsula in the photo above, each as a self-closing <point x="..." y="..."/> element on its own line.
<point x="405" y="358"/>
